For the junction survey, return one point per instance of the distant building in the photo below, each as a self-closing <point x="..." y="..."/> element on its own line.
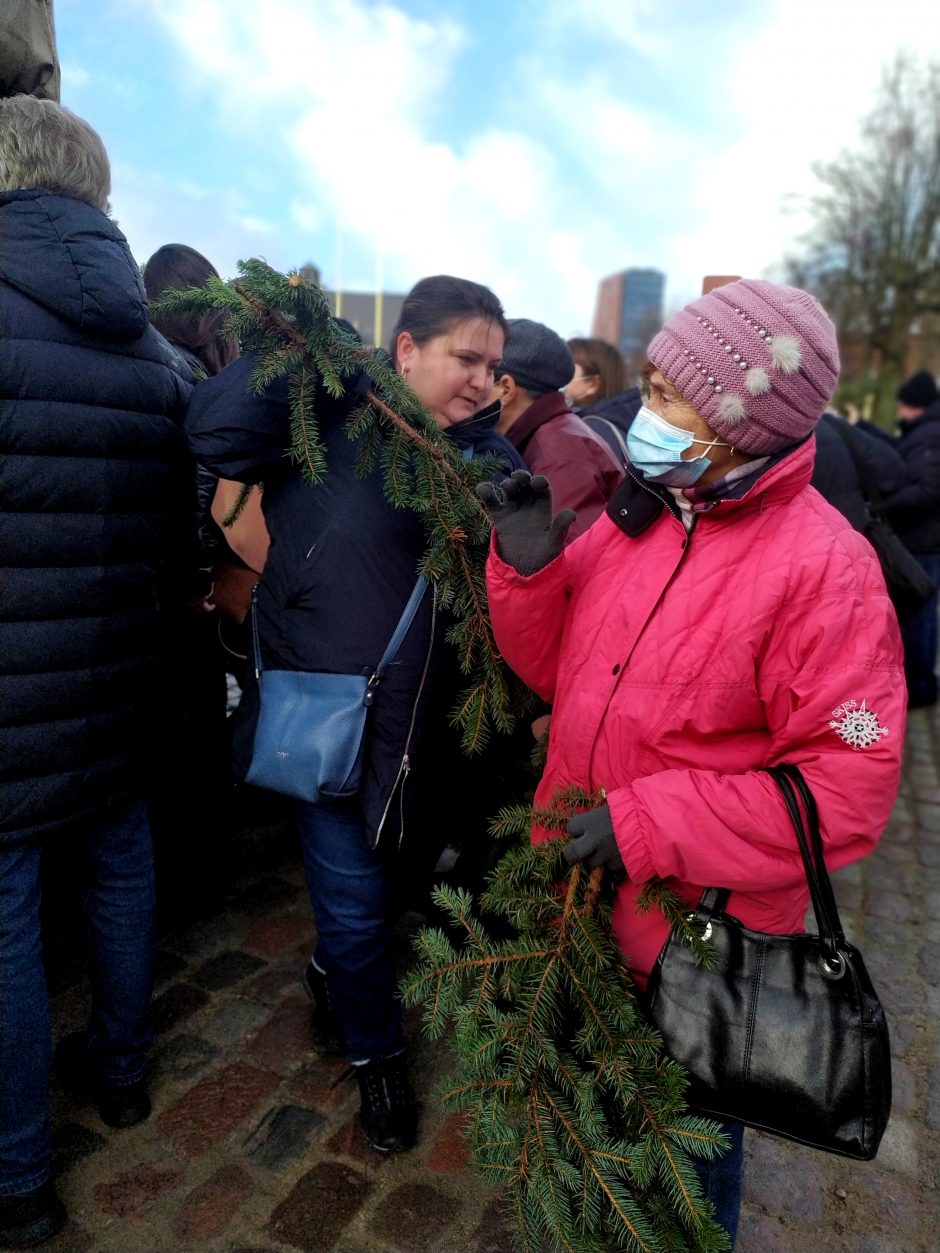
<point x="711" y="281"/>
<point x="629" y="311"/>
<point x="373" y="314"/>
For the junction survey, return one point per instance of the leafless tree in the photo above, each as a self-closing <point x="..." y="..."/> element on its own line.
<point x="873" y="254"/>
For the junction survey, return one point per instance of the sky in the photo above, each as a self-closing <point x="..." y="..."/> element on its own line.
<point x="532" y="145"/>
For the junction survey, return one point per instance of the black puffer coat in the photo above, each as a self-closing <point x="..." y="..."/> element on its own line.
<point x="914" y="507"/>
<point x="96" y="506"/>
<point x="340" y="569"/>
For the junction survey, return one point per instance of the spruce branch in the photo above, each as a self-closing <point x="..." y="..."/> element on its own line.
<point x="572" y="1107"/>
<point x="286" y="323"/>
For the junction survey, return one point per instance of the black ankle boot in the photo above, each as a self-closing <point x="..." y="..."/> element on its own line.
<point x="31" y="1217"/>
<point x="328" y="1035"/>
<point x="120" y="1105"/>
<point x="388" y="1114"/>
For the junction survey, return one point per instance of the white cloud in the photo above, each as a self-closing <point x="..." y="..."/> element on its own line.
<point x="74" y="77"/>
<point x="586" y="173"/>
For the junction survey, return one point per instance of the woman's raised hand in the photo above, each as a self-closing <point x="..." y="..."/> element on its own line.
<point x="527" y="535"/>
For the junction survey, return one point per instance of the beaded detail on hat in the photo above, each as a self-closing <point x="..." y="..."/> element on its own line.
<point x="757" y="360"/>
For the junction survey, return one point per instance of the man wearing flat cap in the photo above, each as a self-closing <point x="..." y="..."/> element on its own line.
<point x="552" y="439"/>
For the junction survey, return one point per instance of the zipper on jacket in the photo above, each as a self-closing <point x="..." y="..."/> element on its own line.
<point x="404" y="768"/>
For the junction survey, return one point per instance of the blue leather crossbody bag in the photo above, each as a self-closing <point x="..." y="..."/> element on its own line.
<point x="311" y="725"/>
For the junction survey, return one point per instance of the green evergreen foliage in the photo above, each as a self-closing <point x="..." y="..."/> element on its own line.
<point x="286" y="323"/>
<point x="571" y="1106"/>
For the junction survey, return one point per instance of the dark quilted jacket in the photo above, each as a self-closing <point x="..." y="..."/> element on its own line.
<point x="340" y="569"/>
<point x="96" y="506"/>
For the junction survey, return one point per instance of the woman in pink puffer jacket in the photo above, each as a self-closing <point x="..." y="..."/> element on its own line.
<point x="720" y="617"/>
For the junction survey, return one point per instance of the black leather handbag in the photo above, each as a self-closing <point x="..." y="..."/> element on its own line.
<point x="786" y="1032"/>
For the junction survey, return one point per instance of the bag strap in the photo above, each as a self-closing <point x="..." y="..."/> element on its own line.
<point x="398" y="635"/>
<point x="791" y="783"/>
<point x="615" y="429"/>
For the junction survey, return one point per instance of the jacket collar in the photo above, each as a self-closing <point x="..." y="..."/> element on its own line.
<point x="475" y="428"/>
<point x="636" y="504"/>
<point x="551" y="405"/>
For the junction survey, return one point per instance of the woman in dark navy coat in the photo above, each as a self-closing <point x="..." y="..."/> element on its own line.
<point x="341" y="566"/>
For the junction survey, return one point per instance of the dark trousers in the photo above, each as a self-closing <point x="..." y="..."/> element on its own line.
<point x="350" y="889"/>
<point x="920" y="641"/>
<point x="721" y="1178"/>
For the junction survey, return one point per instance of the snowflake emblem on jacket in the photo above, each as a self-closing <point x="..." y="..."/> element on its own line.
<point x="857" y="724"/>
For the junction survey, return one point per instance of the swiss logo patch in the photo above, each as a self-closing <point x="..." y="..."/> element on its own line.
<point x="857" y="724"/>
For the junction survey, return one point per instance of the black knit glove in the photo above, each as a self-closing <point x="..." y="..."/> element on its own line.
<point x="592" y="839"/>
<point x="521" y="508"/>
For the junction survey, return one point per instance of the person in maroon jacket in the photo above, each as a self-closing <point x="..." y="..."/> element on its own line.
<point x="537" y="420"/>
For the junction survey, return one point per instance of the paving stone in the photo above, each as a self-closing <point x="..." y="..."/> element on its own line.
<point x="73" y="1236"/>
<point x="266" y="896"/>
<point x="888" y="905"/>
<point x="928" y="962"/>
<point x="414" y="1217"/>
<point x="134" y="1192"/>
<point x="928" y="817"/>
<point x="897" y="854"/>
<point x="225" y="969"/>
<point x="72" y="1143"/>
<point x="268" y="986"/>
<point x="320" y="1084"/>
<point x="349" y="1142"/>
<point x="179" y="1002"/>
<point x="271" y="937"/>
<point x="449" y="1155"/>
<point x="903" y="1087"/>
<point x="184" y="1056"/>
<point x="229" y="1026"/>
<point x="932" y="1112"/>
<point x="209" y="1112"/>
<point x="928" y="854"/>
<point x="209" y="1209"/>
<point x="283" y="1136"/>
<point x="901" y="996"/>
<point x="761" y="1233"/>
<point x="285" y="1041"/>
<point x="906" y="1034"/>
<point x="898" y="1149"/>
<point x="890" y="933"/>
<point x="774" y="1192"/>
<point x="319" y="1206"/>
<point x="931" y="899"/>
<point x="207" y="935"/>
<point x="166" y="966"/>
<point x="494" y="1234"/>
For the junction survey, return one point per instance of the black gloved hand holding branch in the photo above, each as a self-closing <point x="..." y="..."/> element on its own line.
<point x="591" y="839"/>
<point x="521" y="509"/>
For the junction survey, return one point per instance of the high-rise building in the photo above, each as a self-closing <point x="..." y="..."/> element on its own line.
<point x="373" y="314"/>
<point x="629" y="311"/>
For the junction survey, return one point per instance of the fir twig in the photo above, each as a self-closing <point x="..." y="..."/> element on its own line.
<point x="570" y="1102"/>
<point x="286" y="323"/>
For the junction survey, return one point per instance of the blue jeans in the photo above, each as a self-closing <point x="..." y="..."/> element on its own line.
<point x="920" y="641"/>
<point x="119" y="909"/>
<point x="721" y="1178"/>
<point x="350" y="891"/>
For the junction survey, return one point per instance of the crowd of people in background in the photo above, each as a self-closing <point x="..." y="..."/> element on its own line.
<point x="663" y="577"/>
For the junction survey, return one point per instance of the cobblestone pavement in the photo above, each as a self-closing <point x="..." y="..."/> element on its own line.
<point x="251" y="1150"/>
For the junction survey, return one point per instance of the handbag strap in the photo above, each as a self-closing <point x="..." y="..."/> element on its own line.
<point x="615" y="431"/>
<point x="391" y="651"/>
<point x="791" y="783"/>
<point x="398" y="635"/>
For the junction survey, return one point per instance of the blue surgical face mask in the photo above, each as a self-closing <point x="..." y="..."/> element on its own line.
<point x="655" y="448"/>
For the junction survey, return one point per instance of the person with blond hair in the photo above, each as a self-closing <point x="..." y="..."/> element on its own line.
<point x="96" y="526"/>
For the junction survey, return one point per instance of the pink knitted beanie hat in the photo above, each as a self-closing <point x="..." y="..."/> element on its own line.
<point x="757" y="360"/>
